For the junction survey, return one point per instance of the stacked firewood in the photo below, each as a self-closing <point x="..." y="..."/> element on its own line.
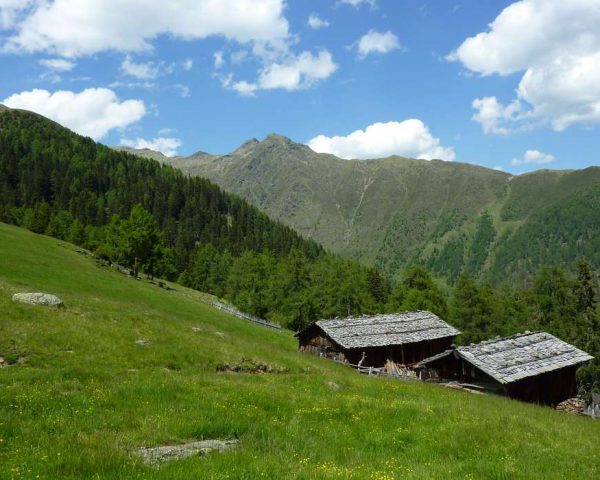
<point x="574" y="406"/>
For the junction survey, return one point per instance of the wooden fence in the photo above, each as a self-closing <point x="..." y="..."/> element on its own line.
<point x="390" y="370"/>
<point x="246" y="316"/>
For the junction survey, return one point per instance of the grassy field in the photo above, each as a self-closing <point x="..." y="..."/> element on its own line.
<point x="82" y="395"/>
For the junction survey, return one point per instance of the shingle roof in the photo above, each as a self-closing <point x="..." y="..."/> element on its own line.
<point x="386" y="330"/>
<point x="520" y="356"/>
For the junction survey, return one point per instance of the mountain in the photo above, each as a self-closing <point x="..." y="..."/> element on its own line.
<point x="395" y="211"/>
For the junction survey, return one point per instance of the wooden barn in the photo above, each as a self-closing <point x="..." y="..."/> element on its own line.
<point x="404" y="338"/>
<point x="532" y="366"/>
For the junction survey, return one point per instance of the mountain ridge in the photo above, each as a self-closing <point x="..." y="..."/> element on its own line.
<point x="394" y="211"/>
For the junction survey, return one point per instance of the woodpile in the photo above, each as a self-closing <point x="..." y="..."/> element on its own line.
<point x="574" y="406"/>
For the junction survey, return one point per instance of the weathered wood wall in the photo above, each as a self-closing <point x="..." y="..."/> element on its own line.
<point x="548" y="388"/>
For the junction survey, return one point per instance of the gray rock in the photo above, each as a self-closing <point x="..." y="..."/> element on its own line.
<point x="333" y="385"/>
<point x="142" y="341"/>
<point x="39" y="298"/>
<point x="165" y="453"/>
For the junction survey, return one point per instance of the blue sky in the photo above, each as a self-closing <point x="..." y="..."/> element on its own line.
<point x="511" y="85"/>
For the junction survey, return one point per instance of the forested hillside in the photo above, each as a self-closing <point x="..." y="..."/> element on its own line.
<point x="153" y="218"/>
<point x="454" y="218"/>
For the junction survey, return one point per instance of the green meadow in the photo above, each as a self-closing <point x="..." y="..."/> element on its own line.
<point x="81" y="394"/>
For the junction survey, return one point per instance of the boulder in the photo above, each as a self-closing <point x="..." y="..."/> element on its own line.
<point x="157" y="455"/>
<point x="39" y="298"/>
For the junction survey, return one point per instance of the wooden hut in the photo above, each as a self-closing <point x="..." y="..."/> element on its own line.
<point x="404" y="338"/>
<point x="535" y="367"/>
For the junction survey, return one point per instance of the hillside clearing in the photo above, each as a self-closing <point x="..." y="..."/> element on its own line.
<point x="82" y="396"/>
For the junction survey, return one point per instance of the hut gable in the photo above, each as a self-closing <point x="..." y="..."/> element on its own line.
<point x="386" y="330"/>
<point x="514" y="358"/>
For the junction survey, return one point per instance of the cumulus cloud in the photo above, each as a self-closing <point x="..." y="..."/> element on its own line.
<point x="495" y="117"/>
<point x="293" y="73"/>
<point x="166" y="145"/>
<point x="188" y="64"/>
<point x="377" y="42"/>
<point x="556" y="44"/>
<point x="410" y="138"/>
<point x="315" y="22"/>
<point x="92" y="112"/>
<point x="73" y="28"/>
<point x="57" y="64"/>
<point x="534" y="157"/>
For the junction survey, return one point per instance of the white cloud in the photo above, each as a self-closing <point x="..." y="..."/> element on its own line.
<point x="188" y="64"/>
<point x="499" y="168"/>
<point x="73" y="28"/>
<point x="495" y="117"/>
<point x="315" y="22"/>
<point x="244" y="88"/>
<point x="10" y="10"/>
<point x="141" y="71"/>
<point x="376" y="42"/>
<point x="298" y="72"/>
<point x="410" y="138"/>
<point x="293" y="73"/>
<point x="358" y="3"/>
<point x="219" y="61"/>
<point x="166" y="145"/>
<point x="93" y="112"/>
<point x="556" y="44"/>
<point x="534" y="157"/>
<point x="57" y="64"/>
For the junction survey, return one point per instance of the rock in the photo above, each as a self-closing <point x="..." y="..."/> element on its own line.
<point x="142" y="341"/>
<point x="333" y="385"/>
<point x="250" y="366"/>
<point x="2" y="362"/>
<point x="158" y="455"/>
<point x="39" y="298"/>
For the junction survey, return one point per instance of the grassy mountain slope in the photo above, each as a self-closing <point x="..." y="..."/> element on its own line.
<point x="86" y="395"/>
<point x="396" y="211"/>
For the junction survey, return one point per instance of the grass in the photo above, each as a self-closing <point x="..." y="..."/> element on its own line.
<point x="85" y="395"/>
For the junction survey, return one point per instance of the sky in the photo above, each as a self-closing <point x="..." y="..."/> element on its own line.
<point x="508" y="85"/>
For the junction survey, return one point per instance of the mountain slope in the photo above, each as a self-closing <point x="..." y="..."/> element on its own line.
<point x="50" y="174"/>
<point x="81" y="395"/>
<point x="391" y="212"/>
